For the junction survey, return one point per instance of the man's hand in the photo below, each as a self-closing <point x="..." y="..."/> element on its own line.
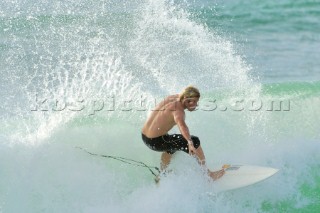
<point x="192" y="149"/>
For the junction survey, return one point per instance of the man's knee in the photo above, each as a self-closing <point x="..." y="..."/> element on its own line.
<point x="196" y="141"/>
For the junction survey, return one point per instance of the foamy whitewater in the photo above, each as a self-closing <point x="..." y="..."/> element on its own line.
<point x="87" y="73"/>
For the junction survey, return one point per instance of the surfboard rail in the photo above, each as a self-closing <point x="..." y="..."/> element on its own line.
<point x="238" y="176"/>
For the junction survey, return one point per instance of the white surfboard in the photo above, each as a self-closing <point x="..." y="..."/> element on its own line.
<point x="237" y="176"/>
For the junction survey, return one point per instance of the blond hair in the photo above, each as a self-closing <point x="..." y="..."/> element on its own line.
<point x="189" y="92"/>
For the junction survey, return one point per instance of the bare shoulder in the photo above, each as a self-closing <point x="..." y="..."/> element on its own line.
<point x="177" y="109"/>
<point x="167" y="102"/>
<point x="172" y="98"/>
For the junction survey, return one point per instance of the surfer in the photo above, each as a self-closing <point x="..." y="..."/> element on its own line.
<point x="165" y="116"/>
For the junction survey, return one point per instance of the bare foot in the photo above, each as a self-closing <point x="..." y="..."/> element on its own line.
<point x="216" y="175"/>
<point x="163" y="173"/>
<point x="157" y="179"/>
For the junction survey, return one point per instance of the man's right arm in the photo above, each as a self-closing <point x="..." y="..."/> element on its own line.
<point x="179" y="120"/>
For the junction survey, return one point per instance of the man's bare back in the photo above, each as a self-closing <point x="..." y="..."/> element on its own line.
<point x="161" y="119"/>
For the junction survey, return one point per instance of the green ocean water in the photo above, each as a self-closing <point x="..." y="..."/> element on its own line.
<point x="86" y="73"/>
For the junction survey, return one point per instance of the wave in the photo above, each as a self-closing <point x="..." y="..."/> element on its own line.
<point x="75" y="81"/>
<point x="299" y="89"/>
<point x="152" y="50"/>
<point x="271" y="16"/>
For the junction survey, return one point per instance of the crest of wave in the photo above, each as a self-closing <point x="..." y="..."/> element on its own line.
<point x="176" y="50"/>
<point x="179" y="51"/>
<point x="80" y="85"/>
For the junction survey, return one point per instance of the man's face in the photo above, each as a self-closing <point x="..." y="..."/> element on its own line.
<point x="191" y="103"/>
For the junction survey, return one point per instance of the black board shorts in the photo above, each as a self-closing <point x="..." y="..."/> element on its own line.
<point x="170" y="143"/>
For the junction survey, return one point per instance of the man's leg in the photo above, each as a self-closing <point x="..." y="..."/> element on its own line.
<point x="165" y="160"/>
<point x="200" y="156"/>
<point x="202" y="161"/>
